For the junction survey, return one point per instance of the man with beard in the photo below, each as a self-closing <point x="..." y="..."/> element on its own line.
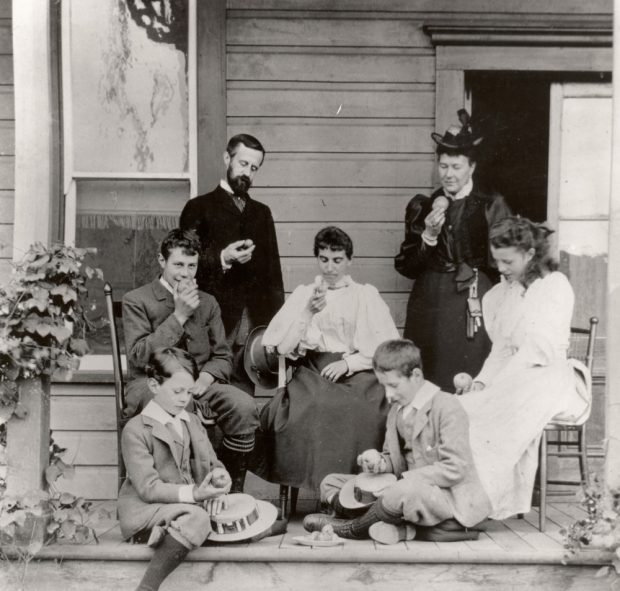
<point x="239" y="261"/>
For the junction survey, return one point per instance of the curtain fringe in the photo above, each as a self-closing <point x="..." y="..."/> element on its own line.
<point x="138" y="221"/>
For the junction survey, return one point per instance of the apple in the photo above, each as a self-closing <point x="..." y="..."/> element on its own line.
<point x="220" y="478"/>
<point x="441" y="202"/>
<point x="462" y="382"/>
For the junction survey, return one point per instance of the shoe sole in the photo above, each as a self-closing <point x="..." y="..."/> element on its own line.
<point x="386" y="533"/>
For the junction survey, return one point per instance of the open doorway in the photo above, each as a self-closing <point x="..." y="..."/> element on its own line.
<point x="511" y="110"/>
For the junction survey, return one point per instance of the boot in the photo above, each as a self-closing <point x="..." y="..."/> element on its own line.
<point x="341" y="511"/>
<point x="388" y="533"/>
<point x="351" y="529"/>
<point x="236" y="463"/>
<point x="168" y="555"/>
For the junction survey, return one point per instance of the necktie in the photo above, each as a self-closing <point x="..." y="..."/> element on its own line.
<point x="239" y="202"/>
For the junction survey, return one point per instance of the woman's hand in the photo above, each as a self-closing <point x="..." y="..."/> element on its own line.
<point x="317" y="300"/>
<point x="434" y="221"/>
<point x="372" y="461"/>
<point x="335" y="370"/>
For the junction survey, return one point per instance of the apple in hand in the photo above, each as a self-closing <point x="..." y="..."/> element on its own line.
<point x="220" y="478"/>
<point x="441" y="202"/>
<point x="462" y="382"/>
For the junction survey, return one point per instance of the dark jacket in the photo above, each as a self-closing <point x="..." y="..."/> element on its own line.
<point x="464" y="237"/>
<point x="257" y="284"/>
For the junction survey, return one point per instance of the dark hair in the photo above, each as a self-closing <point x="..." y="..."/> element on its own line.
<point x="333" y="238"/>
<point x="470" y="152"/>
<point x="165" y="362"/>
<point x="397" y="355"/>
<point x="523" y="234"/>
<point x="186" y="240"/>
<point x="249" y="141"/>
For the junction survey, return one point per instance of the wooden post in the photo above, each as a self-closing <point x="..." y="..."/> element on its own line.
<point x="28" y="438"/>
<point x="612" y="411"/>
<point x="34" y="176"/>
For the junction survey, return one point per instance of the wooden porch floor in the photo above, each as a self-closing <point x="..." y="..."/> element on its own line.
<point x="513" y="541"/>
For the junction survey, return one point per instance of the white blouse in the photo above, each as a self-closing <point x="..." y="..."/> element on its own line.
<point x="354" y="322"/>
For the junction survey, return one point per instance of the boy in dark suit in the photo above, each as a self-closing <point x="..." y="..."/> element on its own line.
<point x="172" y="312"/>
<point x="427" y="448"/>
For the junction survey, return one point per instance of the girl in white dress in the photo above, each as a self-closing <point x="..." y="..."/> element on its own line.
<point x="527" y="379"/>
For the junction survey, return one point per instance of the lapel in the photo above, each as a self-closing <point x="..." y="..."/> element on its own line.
<point x="226" y="203"/>
<point x="164" y="434"/>
<point x="393" y="446"/>
<point x="421" y="419"/>
<point x="161" y="294"/>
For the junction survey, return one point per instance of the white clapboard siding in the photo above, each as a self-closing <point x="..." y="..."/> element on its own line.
<point x="339" y="204"/>
<point x="252" y="98"/>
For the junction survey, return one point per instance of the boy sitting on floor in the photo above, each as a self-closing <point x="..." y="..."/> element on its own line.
<point x="427" y="447"/>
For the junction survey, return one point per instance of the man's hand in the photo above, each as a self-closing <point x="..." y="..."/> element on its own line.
<point x="434" y="221"/>
<point x="238" y="252"/>
<point x="371" y="461"/>
<point x="186" y="299"/>
<point x="334" y="371"/>
<point x="202" y="384"/>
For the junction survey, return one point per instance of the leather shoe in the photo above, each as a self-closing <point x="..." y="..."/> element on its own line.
<point x="387" y="533"/>
<point x="317" y="521"/>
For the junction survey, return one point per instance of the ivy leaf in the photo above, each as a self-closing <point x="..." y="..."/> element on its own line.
<point x="82" y="534"/>
<point x="52" y="526"/>
<point x="67" y="498"/>
<point x="68" y="529"/>
<point x="79" y="347"/>
<point x="61" y="333"/>
<point x="43" y="329"/>
<point x="6" y="412"/>
<point x="19" y="517"/>
<point x="35" y="547"/>
<point x="52" y="473"/>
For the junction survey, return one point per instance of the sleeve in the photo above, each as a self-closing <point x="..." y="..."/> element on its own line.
<point x="219" y="364"/>
<point x="374" y="325"/>
<point x="140" y="338"/>
<point x="141" y="469"/>
<point x="290" y="323"/>
<point x="274" y="292"/>
<point x="548" y="313"/>
<point x="210" y="262"/>
<point x="414" y="251"/>
<point x="452" y="448"/>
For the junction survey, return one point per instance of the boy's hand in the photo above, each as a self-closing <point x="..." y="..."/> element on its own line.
<point x="202" y="384"/>
<point x="207" y="489"/>
<point x="372" y="461"/>
<point x="215" y="506"/>
<point x="186" y="299"/>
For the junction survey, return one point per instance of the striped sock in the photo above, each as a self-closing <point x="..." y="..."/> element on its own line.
<point x="239" y="443"/>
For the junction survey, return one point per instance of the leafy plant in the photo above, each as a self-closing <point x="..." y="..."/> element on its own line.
<point x="600" y="528"/>
<point x="43" y="321"/>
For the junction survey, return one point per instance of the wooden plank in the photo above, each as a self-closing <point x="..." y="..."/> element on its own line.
<point x="330" y="32"/>
<point x="77" y="388"/>
<point x="531" y="534"/>
<point x="6" y="9"/>
<point x="337" y="134"/>
<point x="6" y="37"/>
<point x="7" y="173"/>
<point x="317" y="204"/>
<point x="555" y="520"/>
<point x="6" y="240"/>
<point x="370" y="239"/>
<point x="93" y="448"/>
<point x="432" y="6"/>
<point x="505" y="538"/>
<point x="92" y="482"/>
<point x="332" y="67"/>
<point x="6" y="69"/>
<point x="378" y="272"/>
<point x="7" y="206"/>
<point x="7" y="138"/>
<point x="557" y="59"/>
<point x="77" y="413"/>
<point x="7" y="103"/>
<point x="316" y="99"/>
<point x="346" y="170"/>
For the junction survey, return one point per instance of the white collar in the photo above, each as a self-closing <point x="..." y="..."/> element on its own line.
<point x="166" y="285"/>
<point x="466" y="190"/>
<point x="224" y="184"/>
<point x="422" y="396"/>
<point x="157" y="413"/>
<point x="344" y="282"/>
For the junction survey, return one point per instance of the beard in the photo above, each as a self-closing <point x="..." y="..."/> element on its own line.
<point x="239" y="184"/>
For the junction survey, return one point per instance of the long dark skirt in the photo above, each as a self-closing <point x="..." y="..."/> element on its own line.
<point x="314" y="427"/>
<point x="437" y="324"/>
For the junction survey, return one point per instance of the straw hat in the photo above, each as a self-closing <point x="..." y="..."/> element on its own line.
<point x="260" y="365"/>
<point x="243" y="518"/>
<point x="364" y="489"/>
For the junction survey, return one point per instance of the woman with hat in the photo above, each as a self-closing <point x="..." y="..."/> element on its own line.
<point x="333" y="408"/>
<point x="446" y="251"/>
<point x="175" y="493"/>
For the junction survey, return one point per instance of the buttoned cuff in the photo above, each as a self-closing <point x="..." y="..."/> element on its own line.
<point x="225" y="265"/>
<point x="186" y="494"/>
<point x="429" y="239"/>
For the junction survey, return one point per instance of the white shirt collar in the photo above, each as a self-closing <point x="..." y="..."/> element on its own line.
<point x="422" y="396"/>
<point x="157" y="413"/>
<point x="224" y="184"/>
<point x="166" y="285"/>
<point x="466" y="190"/>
